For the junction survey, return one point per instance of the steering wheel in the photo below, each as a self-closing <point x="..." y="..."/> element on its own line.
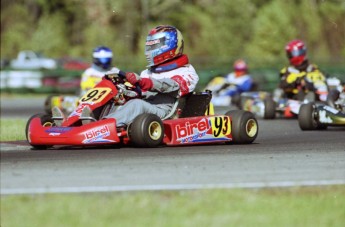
<point x="137" y="88"/>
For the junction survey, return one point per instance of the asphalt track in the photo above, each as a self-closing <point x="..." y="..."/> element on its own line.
<point x="282" y="155"/>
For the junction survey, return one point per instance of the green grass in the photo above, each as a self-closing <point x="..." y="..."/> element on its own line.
<point x="308" y="206"/>
<point x="12" y="129"/>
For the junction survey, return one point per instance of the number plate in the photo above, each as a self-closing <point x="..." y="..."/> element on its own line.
<point x="95" y="95"/>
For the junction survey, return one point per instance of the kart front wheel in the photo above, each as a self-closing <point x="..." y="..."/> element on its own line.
<point x="270" y="109"/>
<point x="244" y="125"/>
<point x="307" y="118"/>
<point x="46" y="121"/>
<point x="146" y="130"/>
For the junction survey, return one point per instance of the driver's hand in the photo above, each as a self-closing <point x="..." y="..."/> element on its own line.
<point x="144" y="83"/>
<point x="132" y="78"/>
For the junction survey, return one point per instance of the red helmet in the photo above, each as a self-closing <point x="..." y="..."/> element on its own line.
<point x="296" y="52"/>
<point x="240" y="67"/>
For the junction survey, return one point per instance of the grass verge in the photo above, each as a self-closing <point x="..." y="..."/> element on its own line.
<point x="12" y="129"/>
<point x="304" y="206"/>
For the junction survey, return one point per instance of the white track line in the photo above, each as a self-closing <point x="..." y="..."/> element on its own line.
<point x="12" y="191"/>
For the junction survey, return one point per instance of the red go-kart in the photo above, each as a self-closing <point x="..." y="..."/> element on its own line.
<point x="190" y="122"/>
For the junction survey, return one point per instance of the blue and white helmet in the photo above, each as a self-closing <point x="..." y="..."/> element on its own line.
<point x="163" y="43"/>
<point x="102" y="57"/>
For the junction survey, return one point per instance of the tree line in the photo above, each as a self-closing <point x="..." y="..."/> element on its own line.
<point x="216" y="32"/>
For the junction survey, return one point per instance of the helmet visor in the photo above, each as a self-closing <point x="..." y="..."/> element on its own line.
<point x="296" y="53"/>
<point x="104" y="60"/>
<point x="154" y="44"/>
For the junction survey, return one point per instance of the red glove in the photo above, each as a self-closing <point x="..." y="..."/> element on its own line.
<point x="132" y="78"/>
<point x="144" y="83"/>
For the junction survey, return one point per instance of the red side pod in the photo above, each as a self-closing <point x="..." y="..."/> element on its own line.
<point x="100" y="132"/>
<point x="197" y="130"/>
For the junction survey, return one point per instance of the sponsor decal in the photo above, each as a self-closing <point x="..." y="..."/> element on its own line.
<point x="54" y="134"/>
<point x="58" y="130"/>
<point x="323" y="118"/>
<point x="330" y="109"/>
<point x="190" y="132"/>
<point x="182" y="83"/>
<point x="97" y="135"/>
<point x="207" y="129"/>
<point x="152" y="42"/>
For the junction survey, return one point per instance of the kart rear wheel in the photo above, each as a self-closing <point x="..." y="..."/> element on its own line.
<point x="270" y="109"/>
<point x="244" y="125"/>
<point x="307" y="118"/>
<point x="146" y="130"/>
<point x="46" y="121"/>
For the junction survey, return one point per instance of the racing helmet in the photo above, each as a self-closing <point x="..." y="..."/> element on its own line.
<point x="163" y="43"/>
<point x="102" y="57"/>
<point x="296" y="51"/>
<point x="240" y="67"/>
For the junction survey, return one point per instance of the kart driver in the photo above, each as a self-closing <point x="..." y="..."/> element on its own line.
<point x="240" y="78"/>
<point x="101" y="63"/>
<point x="234" y="84"/>
<point x="168" y="74"/>
<point x="301" y="76"/>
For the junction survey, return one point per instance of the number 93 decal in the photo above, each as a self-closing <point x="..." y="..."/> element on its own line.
<point x="95" y="95"/>
<point x="221" y="126"/>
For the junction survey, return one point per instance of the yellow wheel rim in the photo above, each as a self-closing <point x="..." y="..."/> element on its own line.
<point x="155" y="130"/>
<point x="48" y="124"/>
<point x="251" y="128"/>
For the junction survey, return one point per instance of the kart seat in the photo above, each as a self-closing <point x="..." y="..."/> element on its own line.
<point x="191" y="105"/>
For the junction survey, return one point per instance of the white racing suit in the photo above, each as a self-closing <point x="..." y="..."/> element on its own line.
<point x="161" y="97"/>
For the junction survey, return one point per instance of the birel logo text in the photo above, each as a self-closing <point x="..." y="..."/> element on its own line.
<point x="191" y="131"/>
<point x="97" y="135"/>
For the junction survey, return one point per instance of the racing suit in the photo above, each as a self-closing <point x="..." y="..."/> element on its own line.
<point x="241" y="83"/>
<point x="91" y="77"/>
<point x="229" y="92"/>
<point x="160" y="98"/>
<point x="294" y="81"/>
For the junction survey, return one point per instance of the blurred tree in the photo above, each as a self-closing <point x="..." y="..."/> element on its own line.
<point x="15" y="30"/>
<point x="49" y="31"/>
<point x="272" y="29"/>
<point x="333" y="28"/>
<point x="215" y="31"/>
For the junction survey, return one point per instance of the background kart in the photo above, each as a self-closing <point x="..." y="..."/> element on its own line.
<point x="263" y="105"/>
<point x="187" y="124"/>
<point x="66" y="103"/>
<point x="312" y="88"/>
<point x="221" y="96"/>
<point x="314" y="116"/>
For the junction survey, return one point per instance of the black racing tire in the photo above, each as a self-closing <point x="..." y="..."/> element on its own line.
<point x="244" y="126"/>
<point x="306" y="117"/>
<point x="46" y="120"/>
<point x="270" y="108"/>
<point x="236" y="101"/>
<point x="310" y="96"/>
<point x="146" y="130"/>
